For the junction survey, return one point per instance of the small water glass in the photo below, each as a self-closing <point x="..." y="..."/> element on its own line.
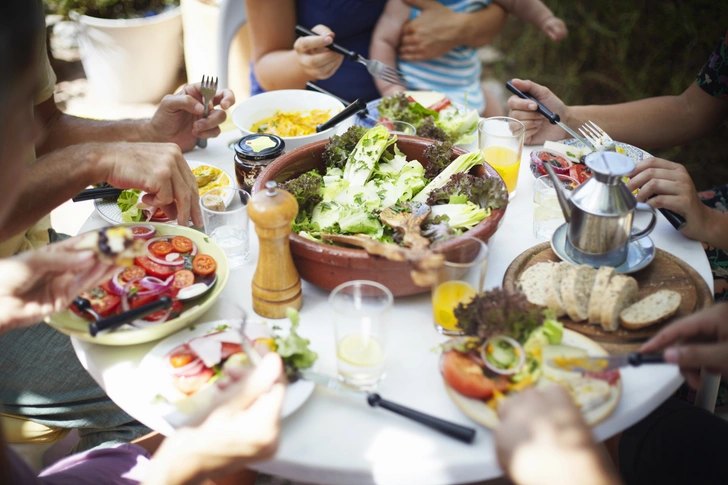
<point x="547" y="213"/>
<point x="225" y="213"/>
<point x="398" y="127"/>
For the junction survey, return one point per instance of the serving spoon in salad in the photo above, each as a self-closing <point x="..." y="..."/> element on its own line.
<point x="408" y="218"/>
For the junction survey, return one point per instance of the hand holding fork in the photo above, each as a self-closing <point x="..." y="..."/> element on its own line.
<point x="208" y="88"/>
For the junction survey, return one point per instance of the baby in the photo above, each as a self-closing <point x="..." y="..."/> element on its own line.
<point x="457" y="73"/>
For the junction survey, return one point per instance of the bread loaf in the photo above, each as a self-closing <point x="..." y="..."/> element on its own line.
<point x="601" y="282"/>
<point x="651" y="310"/>
<point x="534" y="282"/>
<point x="576" y="288"/>
<point x="621" y="293"/>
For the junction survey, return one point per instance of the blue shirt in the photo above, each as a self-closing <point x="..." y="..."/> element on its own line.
<point x="353" y="22"/>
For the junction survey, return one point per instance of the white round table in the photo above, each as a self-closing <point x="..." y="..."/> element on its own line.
<point x="334" y="440"/>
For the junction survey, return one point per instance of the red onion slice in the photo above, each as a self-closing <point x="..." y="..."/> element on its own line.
<point x="115" y="284"/>
<point x="177" y="263"/>
<point x="151" y="231"/>
<point x="517" y="347"/>
<point x="143" y="323"/>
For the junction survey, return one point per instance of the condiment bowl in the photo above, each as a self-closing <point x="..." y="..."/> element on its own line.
<point x="264" y="105"/>
<point x="327" y="266"/>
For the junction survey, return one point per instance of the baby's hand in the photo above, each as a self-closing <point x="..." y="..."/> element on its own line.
<point x="555" y="28"/>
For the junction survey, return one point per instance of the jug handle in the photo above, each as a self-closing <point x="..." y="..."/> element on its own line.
<point x="641" y="206"/>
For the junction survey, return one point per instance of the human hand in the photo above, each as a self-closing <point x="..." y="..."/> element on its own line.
<point x="673" y="189"/>
<point x="542" y="439"/>
<point x="555" y="28"/>
<point x="432" y="34"/>
<point x="317" y="61"/>
<point x="44" y="281"/>
<point x="159" y="170"/>
<point x="538" y="128"/>
<point x="707" y="334"/>
<point x="179" y="117"/>
<point x="243" y="430"/>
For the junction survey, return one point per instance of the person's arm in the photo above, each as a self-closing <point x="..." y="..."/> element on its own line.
<point x="280" y="61"/>
<point x="536" y="13"/>
<point x="156" y="168"/>
<point x="659" y="122"/>
<point x="385" y="41"/>
<point x="437" y="30"/>
<point x="177" y="120"/>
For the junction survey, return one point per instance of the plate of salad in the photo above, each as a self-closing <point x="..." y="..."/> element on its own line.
<point x="432" y="114"/>
<point x="178" y="375"/>
<point x="179" y="263"/>
<point x="127" y="208"/>
<point x="510" y="346"/>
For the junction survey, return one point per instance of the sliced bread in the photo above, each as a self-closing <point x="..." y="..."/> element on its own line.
<point x="553" y="291"/>
<point x="651" y="310"/>
<point x="534" y="282"/>
<point x="576" y="288"/>
<point x="601" y="282"/>
<point x="621" y="293"/>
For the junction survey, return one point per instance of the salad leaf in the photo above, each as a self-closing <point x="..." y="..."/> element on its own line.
<point x="397" y="107"/>
<point x="337" y="151"/>
<point x="460" y="216"/>
<point x="368" y="151"/>
<point x="326" y="214"/>
<point x="439" y="154"/>
<point x="460" y="125"/>
<point x="437" y="229"/>
<point x="306" y="189"/>
<point x="127" y="203"/>
<point x="463" y="163"/>
<point x="359" y="221"/>
<point x="488" y="193"/>
<point x="293" y="348"/>
<point x="428" y="129"/>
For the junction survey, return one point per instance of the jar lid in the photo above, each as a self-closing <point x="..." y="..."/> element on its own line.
<point x="261" y="146"/>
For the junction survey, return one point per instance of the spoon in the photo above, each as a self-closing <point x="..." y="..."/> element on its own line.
<point x="198" y="289"/>
<point x="407" y="218"/>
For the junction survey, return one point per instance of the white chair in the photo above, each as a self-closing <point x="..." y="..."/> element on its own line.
<point x="232" y="17"/>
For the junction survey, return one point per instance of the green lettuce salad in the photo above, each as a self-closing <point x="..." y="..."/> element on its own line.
<point x="127" y="203"/>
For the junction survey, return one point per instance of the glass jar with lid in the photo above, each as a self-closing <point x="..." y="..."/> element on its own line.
<point x="253" y="153"/>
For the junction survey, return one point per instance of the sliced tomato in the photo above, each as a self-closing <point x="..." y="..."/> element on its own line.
<point x="159" y="214"/>
<point x="102" y="301"/>
<point x="160" y="248"/>
<point x="176" y="310"/>
<point x="191" y="384"/>
<point x="611" y="376"/>
<point x="154" y="269"/>
<point x="204" y="264"/>
<point x="467" y="378"/>
<point x="229" y="348"/>
<point x="411" y="99"/>
<point x="182" y="244"/>
<point x="579" y="173"/>
<point x="386" y="123"/>
<point x="440" y="105"/>
<point x="182" y="356"/>
<point x="139" y="230"/>
<point x="183" y="279"/>
<point x="132" y="273"/>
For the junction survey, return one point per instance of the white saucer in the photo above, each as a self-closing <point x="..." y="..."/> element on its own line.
<point x="640" y="253"/>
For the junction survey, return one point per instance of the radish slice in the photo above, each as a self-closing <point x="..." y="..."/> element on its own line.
<point x="143" y="231"/>
<point x="517" y="347"/>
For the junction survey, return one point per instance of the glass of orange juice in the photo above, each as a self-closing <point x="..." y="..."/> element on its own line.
<point x="461" y="277"/>
<point x="501" y="140"/>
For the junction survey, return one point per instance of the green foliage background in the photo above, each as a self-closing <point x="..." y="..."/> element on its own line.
<point x="109" y="9"/>
<point x="622" y="50"/>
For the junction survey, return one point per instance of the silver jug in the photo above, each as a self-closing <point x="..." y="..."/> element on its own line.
<point x="600" y="212"/>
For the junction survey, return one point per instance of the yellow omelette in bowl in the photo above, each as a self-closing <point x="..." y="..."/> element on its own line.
<point x="293" y="123"/>
<point x="209" y="178"/>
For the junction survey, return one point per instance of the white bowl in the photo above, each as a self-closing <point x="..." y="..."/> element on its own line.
<point x="264" y="105"/>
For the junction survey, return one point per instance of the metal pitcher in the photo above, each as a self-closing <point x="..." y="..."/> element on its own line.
<point x="600" y="212"/>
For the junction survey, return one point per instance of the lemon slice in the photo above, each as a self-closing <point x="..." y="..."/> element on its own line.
<point x="360" y="351"/>
<point x="447" y="296"/>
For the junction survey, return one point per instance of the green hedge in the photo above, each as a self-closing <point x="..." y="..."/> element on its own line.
<point x="620" y="50"/>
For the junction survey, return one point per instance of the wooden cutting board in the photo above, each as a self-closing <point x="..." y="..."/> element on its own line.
<point x="666" y="272"/>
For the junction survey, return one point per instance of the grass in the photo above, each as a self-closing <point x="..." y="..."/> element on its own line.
<point x="621" y="50"/>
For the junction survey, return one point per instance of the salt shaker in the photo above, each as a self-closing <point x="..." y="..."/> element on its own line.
<point x="276" y="283"/>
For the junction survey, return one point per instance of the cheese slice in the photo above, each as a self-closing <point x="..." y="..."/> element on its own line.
<point x="571" y="152"/>
<point x="425" y="98"/>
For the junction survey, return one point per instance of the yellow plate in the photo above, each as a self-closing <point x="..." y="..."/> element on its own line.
<point x="71" y="324"/>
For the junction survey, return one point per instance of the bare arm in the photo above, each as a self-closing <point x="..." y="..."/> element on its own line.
<point x="385" y="41"/>
<point x="531" y="11"/>
<point x="281" y="61"/>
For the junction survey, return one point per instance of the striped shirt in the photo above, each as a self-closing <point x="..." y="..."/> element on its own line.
<point x="457" y="73"/>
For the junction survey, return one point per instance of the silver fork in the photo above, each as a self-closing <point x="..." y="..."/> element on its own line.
<point x="597" y="136"/>
<point x="375" y="68"/>
<point x="208" y="88"/>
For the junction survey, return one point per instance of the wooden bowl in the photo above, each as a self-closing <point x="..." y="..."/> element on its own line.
<point x="328" y="266"/>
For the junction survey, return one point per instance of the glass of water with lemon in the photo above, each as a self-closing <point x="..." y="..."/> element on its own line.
<point x="361" y="312"/>
<point x="501" y="140"/>
<point x="461" y="277"/>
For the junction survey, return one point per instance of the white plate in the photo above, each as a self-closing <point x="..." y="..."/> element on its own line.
<point x="154" y="380"/>
<point x="111" y="213"/>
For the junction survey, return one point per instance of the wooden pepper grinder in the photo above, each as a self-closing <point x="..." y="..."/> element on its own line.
<point x="276" y="284"/>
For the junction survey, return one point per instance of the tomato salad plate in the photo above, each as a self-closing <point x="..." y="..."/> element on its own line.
<point x="181" y="263"/>
<point x="510" y="346"/>
<point x="179" y="377"/>
<point x="567" y="158"/>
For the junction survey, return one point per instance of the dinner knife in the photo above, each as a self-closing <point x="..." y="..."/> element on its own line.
<point x="553" y="118"/>
<point x="610" y="362"/>
<point x="364" y="113"/>
<point x="163" y="303"/>
<point x="345" y="113"/>
<point x="461" y="433"/>
<point x="97" y="193"/>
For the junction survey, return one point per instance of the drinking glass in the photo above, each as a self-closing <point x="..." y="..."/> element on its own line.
<point x="501" y="140"/>
<point x="461" y="277"/>
<point x="361" y="312"/>
<point x="547" y="214"/>
<point x="398" y="127"/>
<point x="225" y="213"/>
